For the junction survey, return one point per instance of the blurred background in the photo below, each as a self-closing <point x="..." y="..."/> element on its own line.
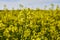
<point x="28" y="4"/>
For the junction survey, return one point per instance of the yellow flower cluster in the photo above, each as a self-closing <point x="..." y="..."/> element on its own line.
<point x="28" y="24"/>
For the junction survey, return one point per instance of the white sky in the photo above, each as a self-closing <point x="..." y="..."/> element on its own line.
<point x="28" y="3"/>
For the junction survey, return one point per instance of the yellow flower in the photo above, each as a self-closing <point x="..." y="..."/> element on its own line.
<point x="6" y="33"/>
<point x="26" y="33"/>
<point x="38" y="39"/>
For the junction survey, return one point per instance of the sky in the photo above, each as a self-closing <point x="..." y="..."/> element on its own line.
<point x="28" y="3"/>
